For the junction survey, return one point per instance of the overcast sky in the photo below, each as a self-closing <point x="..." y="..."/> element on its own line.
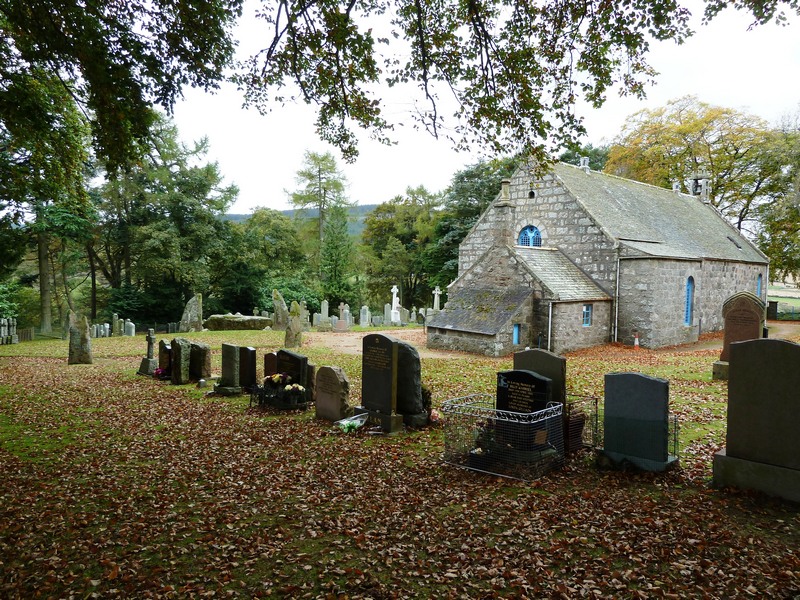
<point x="722" y="64"/>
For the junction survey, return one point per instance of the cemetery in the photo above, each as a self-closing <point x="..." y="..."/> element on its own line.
<point x="538" y="465"/>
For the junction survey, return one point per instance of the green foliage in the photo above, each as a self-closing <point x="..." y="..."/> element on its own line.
<point x="598" y="156"/>
<point x="294" y="286"/>
<point x="116" y="58"/>
<point x="8" y="304"/>
<point x="336" y="258"/>
<point x="13" y="245"/>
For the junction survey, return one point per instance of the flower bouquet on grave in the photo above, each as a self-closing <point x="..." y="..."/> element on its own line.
<point x="293" y="394"/>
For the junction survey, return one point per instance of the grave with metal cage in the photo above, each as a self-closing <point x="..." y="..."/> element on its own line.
<point x="481" y="437"/>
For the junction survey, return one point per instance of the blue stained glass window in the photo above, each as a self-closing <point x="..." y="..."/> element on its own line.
<point x="758" y="285"/>
<point x="688" y="310"/>
<point x="530" y="236"/>
<point x="516" y="333"/>
<point x="587" y="315"/>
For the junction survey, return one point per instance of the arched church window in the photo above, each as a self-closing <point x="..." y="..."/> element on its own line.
<point x="530" y="236"/>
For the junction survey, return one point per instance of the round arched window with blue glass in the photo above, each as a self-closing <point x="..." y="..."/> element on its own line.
<point x="529" y="236"/>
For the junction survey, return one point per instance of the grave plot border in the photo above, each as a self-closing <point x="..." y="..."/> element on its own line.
<point x="479" y="437"/>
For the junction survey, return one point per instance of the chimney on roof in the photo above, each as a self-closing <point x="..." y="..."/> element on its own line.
<point x="585" y="164"/>
<point x="701" y="186"/>
<point x="505" y="214"/>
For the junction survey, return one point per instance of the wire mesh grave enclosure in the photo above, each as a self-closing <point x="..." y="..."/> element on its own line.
<point x="480" y="437"/>
<point x="280" y="395"/>
<point x="580" y="422"/>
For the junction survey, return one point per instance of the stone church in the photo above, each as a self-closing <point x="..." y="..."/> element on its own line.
<point x="578" y="258"/>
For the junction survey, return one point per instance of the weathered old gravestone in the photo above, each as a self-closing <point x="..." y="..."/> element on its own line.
<point x="379" y="382"/>
<point x="129" y="328"/>
<point x="181" y="357"/>
<point x="247" y="367"/>
<point x="149" y="363"/>
<point x="270" y="364"/>
<point x="229" y="379"/>
<point x="294" y="330"/>
<point x="80" y="342"/>
<point x="281" y="320"/>
<point x="763" y="420"/>
<point x="364" y="317"/>
<point x="296" y="367"/>
<point x="114" y="323"/>
<point x="331" y="392"/>
<point x="387" y="314"/>
<point x="325" y="310"/>
<point x="636" y="421"/>
<point x="192" y="319"/>
<point x="199" y="361"/>
<point x="164" y="357"/>
<point x="743" y="314"/>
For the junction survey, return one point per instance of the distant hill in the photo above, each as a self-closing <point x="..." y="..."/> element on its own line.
<point x="355" y="224"/>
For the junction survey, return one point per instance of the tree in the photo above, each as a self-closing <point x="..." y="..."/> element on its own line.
<point x="321" y="187"/>
<point x="336" y="255"/>
<point x="741" y="155"/>
<point x="470" y="192"/>
<point x="515" y="71"/>
<point x="597" y="155"/>
<point x="397" y="234"/>
<point x="114" y="58"/>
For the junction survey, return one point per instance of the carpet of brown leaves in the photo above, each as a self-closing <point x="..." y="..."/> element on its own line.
<point x="120" y="486"/>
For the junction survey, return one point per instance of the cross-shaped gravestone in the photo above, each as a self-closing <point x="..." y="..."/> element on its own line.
<point x="151" y="342"/>
<point x="341" y="310"/>
<point x="436" y="293"/>
<point x="395" y="300"/>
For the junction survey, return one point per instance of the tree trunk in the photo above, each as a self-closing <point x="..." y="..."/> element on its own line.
<point x="46" y="317"/>
<point x="93" y="273"/>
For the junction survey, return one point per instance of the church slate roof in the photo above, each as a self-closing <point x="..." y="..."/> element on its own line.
<point x="656" y="221"/>
<point x="561" y="276"/>
<point x="480" y="310"/>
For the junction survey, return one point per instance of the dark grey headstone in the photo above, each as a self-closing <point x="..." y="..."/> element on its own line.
<point x="522" y="391"/>
<point x="270" y="364"/>
<point x="199" y="361"/>
<point x="247" y="367"/>
<point x="295" y="366"/>
<point x="181" y="357"/>
<point x="764" y="402"/>
<point x="636" y="420"/>
<point x="547" y="364"/>
<point x="164" y="356"/>
<point x="379" y="373"/>
<point x="409" y="386"/>
<point x="331" y="393"/>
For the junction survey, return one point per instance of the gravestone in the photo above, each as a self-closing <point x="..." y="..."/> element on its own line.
<point x="409" y="386"/>
<point x="387" y="314"/>
<point x="364" y="317"/>
<point x="247" y="367"/>
<point x="129" y="328"/>
<point x="436" y="294"/>
<point x="294" y="329"/>
<point x="199" y="361"/>
<point x="80" y="342"/>
<point x="379" y="382"/>
<point x="192" y="319"/>
<point x="296" y="367"/>
<point x="772" y="310"/>
<point x="114" y="323"/>
<point x="743" y="314"/>
<point x="522" y="392"/>
<point x="270" y="364"/>
<point x="149" y="363"/>
<point x="636" y="421"/>
<point x="181" y="357"/>
<point x="281" y="320"/>
<point x="315" y="320"/>
<point x="395" y="312"/>
<point x="341" y="325"/>
<point x="331" y="393"/>
<point x="165" y="357"/>
<point x="761" y="450"/>
<point x="324" y="309"/>
<point x="404" y="315"/>
<point x="229" y="379"/>
<point x="377" y="321"/>
<point x="106" y="330"/>
<point x="413" y="317"/>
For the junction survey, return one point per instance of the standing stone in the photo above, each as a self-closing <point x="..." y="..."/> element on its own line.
<point x="165" y="357"/>
<point x="80" y="342"/>
<point x="199" y="361"/>
<point x="270" y="364"/>
<point x="364" y="317"/>
<point x="743" y="314"/>
<point x="149" y="363"/>
<point x="129" y="328"/>
<point x="379" y="382"/>
<point x="192" y="319"/>
<point x="636" y="420"/>
<point x="294" y="330"/>
<point x="281" y="320"/>
<point x="331" y="393"/>
<point x="763" y="420"/>
<point x="247" y="367"/>
<point x="181" y="357"/>
<point x="229" y="380"/>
